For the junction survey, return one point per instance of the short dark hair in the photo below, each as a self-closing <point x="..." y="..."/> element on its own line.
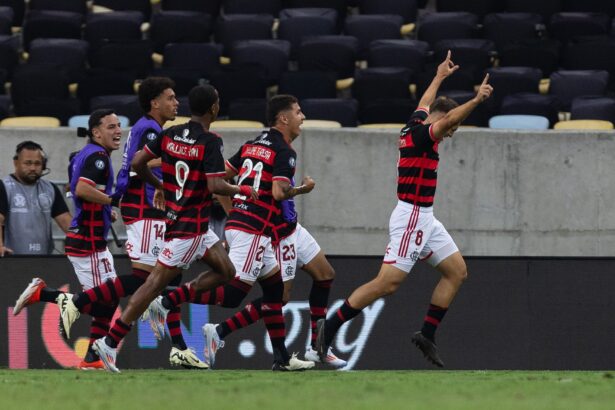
<point x="95" y="119"/>
<point x="30" y="146"/>
<point x="201" y="98"/>
<point x="277" y="104"/>
<point x="151" y="88"/>
<point x="443" y="105"/>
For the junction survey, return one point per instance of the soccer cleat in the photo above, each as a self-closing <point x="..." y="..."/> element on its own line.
<point x="212" y="343"/>
<point x="31" y="295"/>
<point x="429" y="348"/>
<point x="320" y="346"/>
<point x="68" y="312"/>
<point x="106" y="353"/>
<point x="157" y="316"/>
<point x="294" y="365"/>
<point x="332" y="359"/>
<point x="96" y="365"/>
<point x="186" y="359"/>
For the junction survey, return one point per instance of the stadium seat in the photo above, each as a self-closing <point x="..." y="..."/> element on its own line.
<point x="343" y="111"/>
<point x="545" y="8"/>
<point x="37" y="83"/>
<point x="340" y="6"/>
<point x="512" y="80"/>
<point x="126" y="105"/>
<point x="507" y="28"/>
<point x="385" y="126"/>
<point x="367" y="28"/>
<point x="601" y="6"/>
<point x="390" y="110"/>
<point x="381" y="83"/>
<point x="297" y="24"/>
<point x="238" y="82"/>
<point x="252" y="7"/>
<point x="250" y="109"/>
<point x="134" y="56"/>
<point x="143" y="6"/>
<point x="18" y="7"/>
<point x="9" y="56"/>
<point x="565" y="85"/>
<point x="211" y="7"/>
<point x="593" y="108"/>
<point x="225" y="124"/>
<point x="567" y="26"/>
<point x="62" y="53"/>
<point x="117" y="25"/>
<point x="5" y="106"/>
<point x="520" y="122"/>
<point x="531" y="104"/>
<point x="271" y="55"/>
<point x="410" y="54"/>
<point x="237" y="27"/>
<point x="82" y="121"/>
<point x="329" y="53"/>
<point x="433" y="27"/>
<point x="406" y="9"/>
<point x="51" y="24"/>
<point x="583" y="125"/>
<point x="481" y="114"/>
<point x="74" y="6"/>
<point x="99" y="82"/>
<point x="472" y="55"/>
<point x="6" y="20"/>
<point x="590" y="54"/>
<point x="33" y="121"/>
<point x="179" y="27"/>
<point x="540" y="53"/>
<point x="479" y="7"/>
<point x="308" y="84"/>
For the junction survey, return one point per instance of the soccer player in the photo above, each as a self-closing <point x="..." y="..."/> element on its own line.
<point x="145" y="224"/>
<point x="192" y="169"/>
<point x="293" y="246"/>
<point x="267" y="164"/>
<point x="91" y="182"/>
<point x="414" y="231"/>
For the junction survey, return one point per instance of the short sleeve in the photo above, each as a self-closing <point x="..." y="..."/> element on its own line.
<point x="284" y="165"/>
<point x="154" y="146"/>
<point x="95" y="169"/>
<point x="213" y="161"/>
<point x="234" y="162"/>
<point x="59" y="205"/>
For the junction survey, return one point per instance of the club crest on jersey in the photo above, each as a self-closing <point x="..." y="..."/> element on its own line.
<point x="100" y="164"/>
<point x="291" y="162"/>
<point x="155" y="250"/>
<point x="151" y="136"/>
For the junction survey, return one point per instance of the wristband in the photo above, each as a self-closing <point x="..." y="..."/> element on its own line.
<point x="245" y="190"/>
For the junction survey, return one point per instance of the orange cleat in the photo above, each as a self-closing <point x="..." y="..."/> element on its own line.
<point x="97" y="365"/>
<point x="31" y="295"/>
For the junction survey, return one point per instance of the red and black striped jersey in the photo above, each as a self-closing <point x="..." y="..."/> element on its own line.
<point x="91" y="222"/>
<point x="189" y="155"/>
<point x="137" y="195"/>
<point x="417" y="169"/>
<point x="258" y="163"/>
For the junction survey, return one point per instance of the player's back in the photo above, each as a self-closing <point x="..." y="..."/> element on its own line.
<point x="259" y="163"/>
<point x="189" y="155"/>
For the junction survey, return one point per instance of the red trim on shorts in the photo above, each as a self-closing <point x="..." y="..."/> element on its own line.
<point x="389" y="263"/>
<point x="165" y="265"/>
<point x="427" y="257"/>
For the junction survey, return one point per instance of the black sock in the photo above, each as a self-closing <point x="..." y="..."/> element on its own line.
<point x="344" y="314"/>
<point x="319" y="299"/>
<point x="248" y="315"/>
<point x="434" y="316"/>
<point x="49" y="294"/>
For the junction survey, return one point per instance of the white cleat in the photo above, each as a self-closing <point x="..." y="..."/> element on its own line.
<point x="212" y="344"/>
<point x="157" y="316"/>
<point x="332" y="359"/>
<point x="30" y="295"/>
<point x="68" y="312"/>
<point x="293" y="365"/>
<point x="186" y="359"/>
<point x="106" y="353"/>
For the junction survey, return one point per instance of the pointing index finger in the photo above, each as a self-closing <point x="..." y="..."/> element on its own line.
<point x="486" y="80"/>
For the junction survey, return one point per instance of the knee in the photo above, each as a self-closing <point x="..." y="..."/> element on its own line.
<point x="227" y="272"/>
<point x="329" y="274"/>
<point x="461" y="273"/>
<point x="386" y="288"/>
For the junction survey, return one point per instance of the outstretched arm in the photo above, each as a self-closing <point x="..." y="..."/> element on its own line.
<point x="445" y="69"/>
<point x="454" y="117"/>
<point x="283" y="190"/>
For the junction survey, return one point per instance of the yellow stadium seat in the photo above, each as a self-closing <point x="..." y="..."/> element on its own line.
<point x="27" y="122"/>
<point x="320" y="124"/>
<point x="216" y="125"/>
<point x="386" y="126"/>
<point x="178" y="120"/>
<point x="583" y="125"/>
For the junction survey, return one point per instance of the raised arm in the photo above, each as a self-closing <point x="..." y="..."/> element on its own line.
<point x="283" y="190"/>
<point x="445" y="69"/>
<point x="454" y="117"/>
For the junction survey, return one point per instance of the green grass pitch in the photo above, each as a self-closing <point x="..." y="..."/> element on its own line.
<point x="248" y="389"/>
